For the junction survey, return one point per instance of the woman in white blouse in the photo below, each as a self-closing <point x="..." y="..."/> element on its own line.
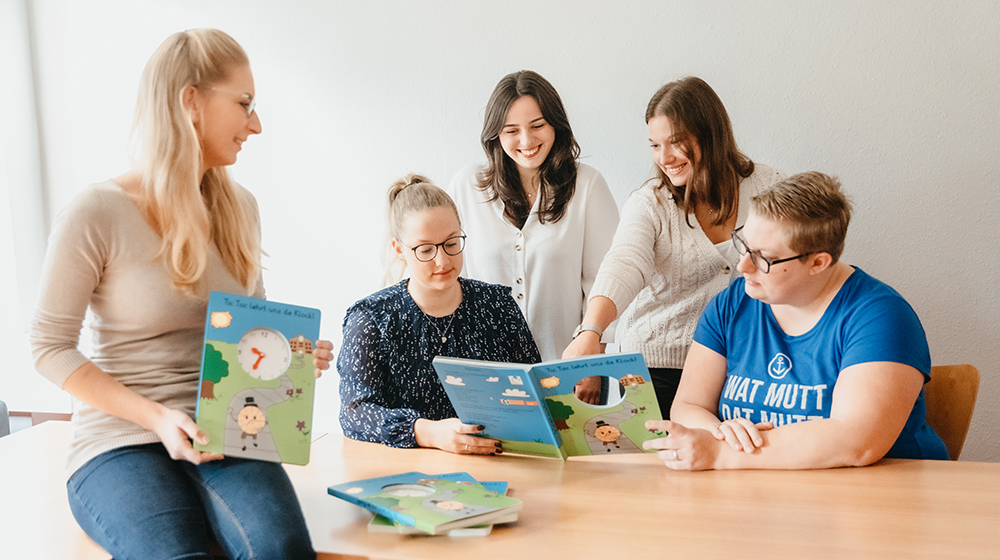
<point x="542" y="222"/>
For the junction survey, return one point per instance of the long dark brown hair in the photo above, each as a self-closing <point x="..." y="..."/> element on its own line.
<point x="697" y="115"/>
<point x="501" y="180"/>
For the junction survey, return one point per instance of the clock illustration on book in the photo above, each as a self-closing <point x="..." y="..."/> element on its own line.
<point x="264" y="353"/>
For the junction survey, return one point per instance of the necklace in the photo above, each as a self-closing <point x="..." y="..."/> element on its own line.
<point x="531" y="197"/>
<point x="442" y="334"/>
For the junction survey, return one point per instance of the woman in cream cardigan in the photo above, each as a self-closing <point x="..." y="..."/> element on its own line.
<point x="672" y="251"/>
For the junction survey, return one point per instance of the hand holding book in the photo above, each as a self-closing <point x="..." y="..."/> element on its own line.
<point x="453" y="436"/>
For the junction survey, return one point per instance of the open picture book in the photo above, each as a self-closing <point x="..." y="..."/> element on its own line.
<point x="431" y="503"/>
<point x="532" y="409"/>
<point x="255" y="398"/>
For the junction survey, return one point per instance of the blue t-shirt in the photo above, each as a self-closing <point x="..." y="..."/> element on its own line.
<point x="774" y="377"/>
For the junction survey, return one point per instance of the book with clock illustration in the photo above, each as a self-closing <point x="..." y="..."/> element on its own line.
<point x="434" y="504"/>
<point x="255" y="398"/>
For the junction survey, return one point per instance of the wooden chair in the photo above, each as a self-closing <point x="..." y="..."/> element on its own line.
<point x="951" y="398"/>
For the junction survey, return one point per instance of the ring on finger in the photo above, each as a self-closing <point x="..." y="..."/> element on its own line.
<point x="675" y="455"/>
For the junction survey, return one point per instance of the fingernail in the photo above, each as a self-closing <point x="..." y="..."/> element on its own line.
<point x="481" y="428"/>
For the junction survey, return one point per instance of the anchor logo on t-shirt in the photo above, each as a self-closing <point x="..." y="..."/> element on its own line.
<point x="780" y="366"/>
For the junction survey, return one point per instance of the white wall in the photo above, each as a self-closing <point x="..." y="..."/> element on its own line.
<point x="898" y="98"/>
<point x="22" y="217"/>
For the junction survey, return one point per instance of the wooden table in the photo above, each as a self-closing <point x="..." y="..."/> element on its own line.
<point x="626" y="506"/>
<point x="631" y="506"/>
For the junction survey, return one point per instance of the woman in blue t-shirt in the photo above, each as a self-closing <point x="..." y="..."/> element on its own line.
<point x="806" y="362"/>
<point x="389" y="391"/>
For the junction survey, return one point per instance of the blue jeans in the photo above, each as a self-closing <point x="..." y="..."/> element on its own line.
<point x="137" y="502"/>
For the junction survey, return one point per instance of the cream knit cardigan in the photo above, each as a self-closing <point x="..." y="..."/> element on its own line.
<point x="662" y="273"/>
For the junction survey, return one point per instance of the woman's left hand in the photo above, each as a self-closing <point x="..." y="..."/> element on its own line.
<point x="684" y="449"/>
<point x="741" y="433"/>
<point x="322" y="356"/>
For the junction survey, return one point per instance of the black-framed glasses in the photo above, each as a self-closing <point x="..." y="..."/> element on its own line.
<point x="759" y="261"/>
<point x="426" y="252"/>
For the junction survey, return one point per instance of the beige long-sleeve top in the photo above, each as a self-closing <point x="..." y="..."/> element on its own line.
<point x="660" y="273"/>
<point x="147" y="334"/>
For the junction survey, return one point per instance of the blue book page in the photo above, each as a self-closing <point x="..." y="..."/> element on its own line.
<point x="357" y="491"/>
<point x="505" y="399"/>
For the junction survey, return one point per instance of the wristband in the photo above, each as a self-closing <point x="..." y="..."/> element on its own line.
<point x="585" y="327"/>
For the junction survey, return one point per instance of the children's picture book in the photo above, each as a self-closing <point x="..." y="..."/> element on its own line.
<point x="255" y="399"/>
<point x="533" y="410"/>
<point x="434" y="505"/>
<point x="382" y="524"/>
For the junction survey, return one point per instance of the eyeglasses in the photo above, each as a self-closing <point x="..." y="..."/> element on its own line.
<point x="426" y="252"/>
<point x="247" y="101"/>
<point x="762" y="264"/>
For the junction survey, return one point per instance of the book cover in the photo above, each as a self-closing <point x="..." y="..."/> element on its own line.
<point x="432" y="505"/>
<point x="382" y="524"/>
<point x="532" y="409"/>
<point x="255" y="398"/>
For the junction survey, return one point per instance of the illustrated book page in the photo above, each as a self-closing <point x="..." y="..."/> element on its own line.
<point x="382" y="524"/>
<point x="432" y="505"/>
<point x="255" y="398"/>
<point x="532" y="409"/>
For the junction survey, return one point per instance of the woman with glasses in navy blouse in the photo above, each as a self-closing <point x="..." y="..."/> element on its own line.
<point x="389" y="391"/>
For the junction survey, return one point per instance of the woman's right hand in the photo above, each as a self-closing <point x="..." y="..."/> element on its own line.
<point x="174" y="429"/>
<point x="453" y="436"/>
<point x="95" y="387"/>
<point x="585" y="344"/>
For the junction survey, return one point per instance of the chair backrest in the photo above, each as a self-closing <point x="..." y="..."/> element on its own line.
<point x="951" y="398"/>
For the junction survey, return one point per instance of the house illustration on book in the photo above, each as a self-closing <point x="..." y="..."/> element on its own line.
<point x="301" y="345"/>
<point x="632" y="380"/>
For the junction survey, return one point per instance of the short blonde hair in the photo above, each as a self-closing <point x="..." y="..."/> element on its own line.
<point x="814" y="209"/>
<point x="408" y="194"/>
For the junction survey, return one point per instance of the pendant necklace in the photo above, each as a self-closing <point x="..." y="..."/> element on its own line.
<point x="442" y="334"/>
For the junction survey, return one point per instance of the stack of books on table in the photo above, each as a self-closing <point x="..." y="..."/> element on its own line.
<point x="453" y="504"/>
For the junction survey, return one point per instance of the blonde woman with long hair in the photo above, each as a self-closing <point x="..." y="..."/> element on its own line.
<point x="142" y="252"/>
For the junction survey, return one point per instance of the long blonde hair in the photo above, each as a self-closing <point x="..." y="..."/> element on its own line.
<point x="408" y="194"/>
<point x="189" y="211"/>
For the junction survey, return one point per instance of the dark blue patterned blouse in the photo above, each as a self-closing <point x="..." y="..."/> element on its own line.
<point x="387" y="381"/>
